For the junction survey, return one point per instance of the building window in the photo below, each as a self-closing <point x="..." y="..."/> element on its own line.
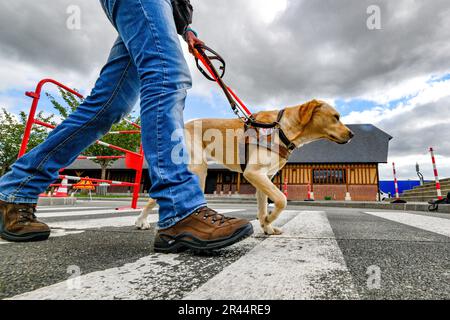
<point x="329" y="176"/>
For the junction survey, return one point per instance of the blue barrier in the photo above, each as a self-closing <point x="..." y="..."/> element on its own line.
<point x="403" y="185"/>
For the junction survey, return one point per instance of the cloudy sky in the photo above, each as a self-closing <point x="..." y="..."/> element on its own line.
<point x="279" y="53"/>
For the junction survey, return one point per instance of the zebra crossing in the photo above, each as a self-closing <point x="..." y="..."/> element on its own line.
<point x="290" y="267"/>
<point x="313" y="259"/>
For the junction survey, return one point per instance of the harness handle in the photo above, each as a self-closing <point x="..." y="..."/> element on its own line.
<point x="203" y="50"/>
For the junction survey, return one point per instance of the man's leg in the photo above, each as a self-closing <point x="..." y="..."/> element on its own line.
<point x="115" y="93"/>
<point x="148" y="30"/>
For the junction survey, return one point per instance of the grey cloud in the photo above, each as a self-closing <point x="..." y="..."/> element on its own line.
<point x="412" y="137"/>
<point x="325" y="48"/>
<point x="35" y="32"/>
<point x="318" y="48"/>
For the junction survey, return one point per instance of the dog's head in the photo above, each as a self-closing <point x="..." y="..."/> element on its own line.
<point x="321" y="121"/>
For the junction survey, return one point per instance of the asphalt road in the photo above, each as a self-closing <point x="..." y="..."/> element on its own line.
<point x="325" y="253"/>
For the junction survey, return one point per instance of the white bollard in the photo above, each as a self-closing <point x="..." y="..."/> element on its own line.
<point x="348" y="197"/>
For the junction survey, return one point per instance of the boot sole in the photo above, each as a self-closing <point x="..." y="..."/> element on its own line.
<point x="30" y="237"/>
<point x="201" y="246"/>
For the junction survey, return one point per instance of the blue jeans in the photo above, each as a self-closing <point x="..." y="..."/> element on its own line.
<point x="146" y="59"/>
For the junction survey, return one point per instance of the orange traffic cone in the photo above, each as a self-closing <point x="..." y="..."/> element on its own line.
<point x="62" y="191"/>
<point x="310" y="194"/>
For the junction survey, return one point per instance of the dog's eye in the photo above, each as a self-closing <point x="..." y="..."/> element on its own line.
<point x="337" y="117"/>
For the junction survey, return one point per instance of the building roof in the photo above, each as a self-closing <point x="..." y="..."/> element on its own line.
<point x="370" y="145"/>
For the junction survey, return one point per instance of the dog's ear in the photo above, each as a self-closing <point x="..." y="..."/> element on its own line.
<point x="307" y="111"/>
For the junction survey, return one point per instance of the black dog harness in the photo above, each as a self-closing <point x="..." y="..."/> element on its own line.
<point x="255" y="135"/>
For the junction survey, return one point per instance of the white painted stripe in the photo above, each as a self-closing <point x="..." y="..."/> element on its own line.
<point x="63" y="214"/>
<point x="56" y="233"/>
<point x="144" y="279"/>
<point x="103" y="143"/>
<point x="286" y="268"/>
<point x="99" y="223"/>
<point x="433" y="224"/>
<point x="65" y="208"/>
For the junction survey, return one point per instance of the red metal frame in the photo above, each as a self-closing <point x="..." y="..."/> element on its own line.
<point x="133" y="160"/>
<point x="36" y="95"/>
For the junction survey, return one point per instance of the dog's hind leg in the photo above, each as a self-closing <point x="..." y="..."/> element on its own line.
<point x="141" y="222"/>
<point x="263" y="184"/>
<point x="198" y="164"/>
<point x="201" y="171"/>
<point x="261" y="198"/>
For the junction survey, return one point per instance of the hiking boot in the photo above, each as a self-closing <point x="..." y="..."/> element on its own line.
<point x="204" y="230"/>
<point x="19" y="224"/>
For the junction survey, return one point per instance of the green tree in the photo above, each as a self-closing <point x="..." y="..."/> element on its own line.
<point x="11" y="132"/>
<point x="131" y="142"/>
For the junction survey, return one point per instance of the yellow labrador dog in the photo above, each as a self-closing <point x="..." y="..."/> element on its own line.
<point x="302" y="124"/>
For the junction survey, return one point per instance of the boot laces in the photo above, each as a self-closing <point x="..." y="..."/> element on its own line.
<point x="215" y="216"/>
<point x="27" y="214"/>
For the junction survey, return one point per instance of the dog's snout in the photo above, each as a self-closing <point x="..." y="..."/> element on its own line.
<point x="351" y="134"/>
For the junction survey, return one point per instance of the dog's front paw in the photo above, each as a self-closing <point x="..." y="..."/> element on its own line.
<point x="142" y="225"/>
<point x="272" y="231"/>
<point x="277" y="231"/>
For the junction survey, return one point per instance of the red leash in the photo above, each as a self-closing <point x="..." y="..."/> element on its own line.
<point x="206" y="55"/>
